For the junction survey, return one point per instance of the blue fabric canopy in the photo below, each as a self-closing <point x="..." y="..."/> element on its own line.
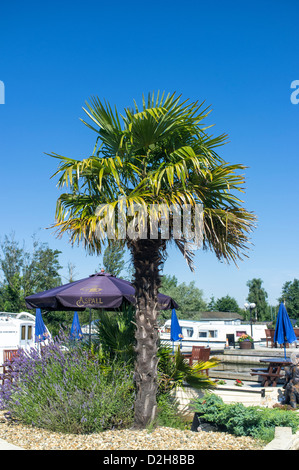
<point x="175" y="329"/>
<point x="76" y="332"/>
<point x="41" y="333"/>
<point x="284" y="332"/>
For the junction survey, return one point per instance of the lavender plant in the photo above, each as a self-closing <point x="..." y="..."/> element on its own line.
<point x="66" y="389"/>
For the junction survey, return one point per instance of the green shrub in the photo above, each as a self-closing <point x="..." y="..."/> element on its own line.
<point x="67" y="391"/>
<point x="168" y="414"/>
<point x="255" y="421"/>
<point x="116" y="334"/>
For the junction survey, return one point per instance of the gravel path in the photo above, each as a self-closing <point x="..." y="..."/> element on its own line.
<point x="161" y="438"/>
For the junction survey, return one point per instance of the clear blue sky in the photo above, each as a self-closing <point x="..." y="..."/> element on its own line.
<point x="240" y="57"/>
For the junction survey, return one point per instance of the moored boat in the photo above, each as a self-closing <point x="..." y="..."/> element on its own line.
<point x="215" y="335"/>
<point x="17" y="330"/>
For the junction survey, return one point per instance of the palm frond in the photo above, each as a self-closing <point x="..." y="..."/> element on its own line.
<point x="159" y="153"/>
<point x="176" y="372"/>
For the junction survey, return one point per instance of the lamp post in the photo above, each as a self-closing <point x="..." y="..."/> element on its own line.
<point x="250" y="306"/>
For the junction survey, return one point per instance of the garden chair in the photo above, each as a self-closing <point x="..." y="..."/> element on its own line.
<point x="273" y="345"/>
<point x="8" y="355"/>
<point x="268" y="337"/>
<point x="199" y="354"/>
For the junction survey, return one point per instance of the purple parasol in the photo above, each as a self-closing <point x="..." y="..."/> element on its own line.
<point x="98" y="291"/>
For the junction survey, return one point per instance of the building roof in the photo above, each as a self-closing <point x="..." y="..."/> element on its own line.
<point x="220" y="316"/>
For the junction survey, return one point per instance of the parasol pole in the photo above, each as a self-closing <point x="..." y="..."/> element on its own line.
<point x="90" y="327"/>
<point x="285" y="349"/>
<point x="285" y="344"/>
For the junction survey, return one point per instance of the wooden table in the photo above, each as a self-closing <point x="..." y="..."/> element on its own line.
<point x="271" y="374"/>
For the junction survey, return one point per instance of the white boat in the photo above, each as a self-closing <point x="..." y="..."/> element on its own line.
<point x="212" y="334"/>
<point x="17" y="330"/>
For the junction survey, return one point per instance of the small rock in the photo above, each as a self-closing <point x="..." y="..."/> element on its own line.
<point x="206" y="427"/>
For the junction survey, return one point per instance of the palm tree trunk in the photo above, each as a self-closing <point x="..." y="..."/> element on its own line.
<point x="147" y="258"/>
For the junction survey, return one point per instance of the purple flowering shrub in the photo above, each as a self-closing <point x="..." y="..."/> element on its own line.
<point x="66" y="389"/>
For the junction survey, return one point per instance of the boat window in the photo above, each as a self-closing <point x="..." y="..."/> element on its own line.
<point x="213" y="333"/>
<point x="240" y="333"/>
<point x="23" y="332"/>
<point x="202" y="334"/>
<point x="187" y="332"/>
<point x="29" y="332"/>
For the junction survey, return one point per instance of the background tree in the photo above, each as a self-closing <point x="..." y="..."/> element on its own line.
<point x="290" y="295"/>
<point x="114" y="261"/>
<point x="113" y="258"/>
<point x="258" y="295"/>
<point x="11" y="264"/>
<point x="28" y="271"/>
<point x="71" y="270"/>
<point x="41" y="271"/>
<point x="188" y="297"/>
<point x="25" y="272"/>
<point x="158" y="154"/>
<point x="227" y="304"/>
<point x="168" y="284"/>
<point x="211" y="307"/>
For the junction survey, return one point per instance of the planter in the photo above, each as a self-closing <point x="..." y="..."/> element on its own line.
<point x="245" y="345"/>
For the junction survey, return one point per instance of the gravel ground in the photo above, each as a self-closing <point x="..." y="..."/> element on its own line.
<point x="161" y="438"/>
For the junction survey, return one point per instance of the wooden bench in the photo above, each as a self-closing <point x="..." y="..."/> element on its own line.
<point x="269" y="378"/>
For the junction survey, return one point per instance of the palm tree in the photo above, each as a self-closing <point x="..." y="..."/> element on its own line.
<point x="160" y="154"/>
